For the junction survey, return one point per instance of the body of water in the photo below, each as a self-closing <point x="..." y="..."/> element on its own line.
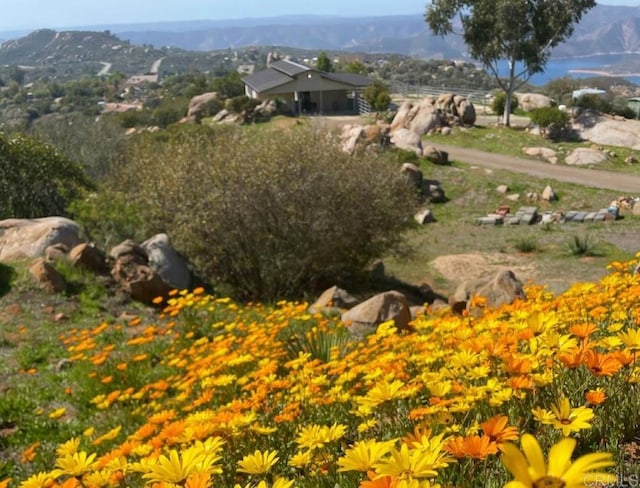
<point x="557" y="68"/>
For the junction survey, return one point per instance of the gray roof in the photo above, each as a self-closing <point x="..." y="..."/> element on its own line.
<point x="289" y="67"/>
<point x="348" y="78"/>
<point x="283" y="71"/>
<point x="266" y="79"/>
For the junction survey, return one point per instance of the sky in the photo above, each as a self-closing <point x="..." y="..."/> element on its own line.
<point x="36" y="14"/>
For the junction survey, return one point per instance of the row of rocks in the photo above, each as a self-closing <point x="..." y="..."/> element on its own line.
<point x="530" y="215"/>
<point x="142" y="271"/>
<point x="364" y="317"/>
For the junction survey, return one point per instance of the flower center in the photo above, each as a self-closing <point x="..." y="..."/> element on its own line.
<point x="549" y="482"/>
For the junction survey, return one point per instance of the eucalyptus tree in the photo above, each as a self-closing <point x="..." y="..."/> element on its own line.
<point x="520" y="32"/>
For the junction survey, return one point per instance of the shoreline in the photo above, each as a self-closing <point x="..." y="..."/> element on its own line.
<point x="596" y="72"/>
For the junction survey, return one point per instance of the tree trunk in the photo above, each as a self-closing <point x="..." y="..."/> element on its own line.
<point x="506" y="116"/>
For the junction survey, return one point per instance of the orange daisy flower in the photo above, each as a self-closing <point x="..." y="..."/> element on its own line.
<point x="497" y="430"/>
<point x="601" y="364"/>
<point x="472" y="446"/>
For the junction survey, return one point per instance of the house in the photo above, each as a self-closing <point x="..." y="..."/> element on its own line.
<point x="306" y="90"/>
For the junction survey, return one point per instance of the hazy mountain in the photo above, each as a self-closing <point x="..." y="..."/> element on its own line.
<point x="605" y="29"/>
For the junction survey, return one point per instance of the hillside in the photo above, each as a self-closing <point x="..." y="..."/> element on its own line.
<point x="72" y="54"/>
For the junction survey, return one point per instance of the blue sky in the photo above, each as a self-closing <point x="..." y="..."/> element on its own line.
<point x="34" y="14"/>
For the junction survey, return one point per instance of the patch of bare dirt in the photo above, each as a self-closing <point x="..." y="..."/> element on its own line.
<point x="461" y="267"/>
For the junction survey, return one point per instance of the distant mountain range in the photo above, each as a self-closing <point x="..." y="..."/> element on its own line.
<point x="604" y="29"/>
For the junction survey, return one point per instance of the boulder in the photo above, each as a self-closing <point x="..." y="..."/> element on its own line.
<point x="532" y="101"/>
<point x="542" y="152"/>
<point x="350" y="136"/>
<point x="28" y="238"/>
<point x="466" y="111"/>
<point x="364" y="319"/>
<point x="435" y="155"/>
<point x="140" y="282"/>
<point x="55" y="253"/>
<point x="585" y="156"/>
<point x="333" y="299"/>
<point x="197" y="103"/>
<point x="432" y="191"/>
<point x="167" y="262"/>
<point x="424" y="217"/>
<point x="504" y="288"/>
<point x="408" y="140"/>
<point x="606" y="130"/>
<point x="548" y="194"/>
<point x="130" y="251"/>
<point x="413" y="174"/>
<point x="89" y="257"/>
<point x="425" y="118"/>
<point x="266" y="109"/>
<point x="503" y="189"/>
<point x="46" y="276"/>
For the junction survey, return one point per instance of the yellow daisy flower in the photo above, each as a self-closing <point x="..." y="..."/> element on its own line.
<point x="530" y="470"/>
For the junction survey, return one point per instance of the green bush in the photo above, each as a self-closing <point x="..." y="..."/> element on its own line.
<point x="499" y="101"/>
<point x="377" y="95"/>
<point x="35" y="179"/>
<point x="594" y="102"/>
<point x="267" y="214"/>
<point x="551" y="120"/>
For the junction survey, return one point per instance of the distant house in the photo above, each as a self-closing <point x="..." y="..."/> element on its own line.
<point x="307" y="90"/>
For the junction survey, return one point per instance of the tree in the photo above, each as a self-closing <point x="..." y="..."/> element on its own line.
<point x="324" y="63"/>
<point x="520" y="32"/>
<point x="377" y="95"/>
<point x="356" y="67"/>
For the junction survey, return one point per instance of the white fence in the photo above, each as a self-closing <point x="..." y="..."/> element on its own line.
<point x="477" y="97"/>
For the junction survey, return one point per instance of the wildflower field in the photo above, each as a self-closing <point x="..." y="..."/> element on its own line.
<point x="540" y="393"/>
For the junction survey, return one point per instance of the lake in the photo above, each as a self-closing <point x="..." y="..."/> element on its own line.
<point x="557" y="68"/>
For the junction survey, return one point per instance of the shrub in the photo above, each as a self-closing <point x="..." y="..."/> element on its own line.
<point x="585" y="245"/>
<point x="95" y="144"/>
<point x="268" y="214"/>
<point x="500" y="99"/>
<point x="527" y="244"/>
<point x="35" y="179"/>
<point x="377" y="95"/>
<point x="241" y="104"/>
<point x="551" y="120"/>
<point x="594" y="102"/>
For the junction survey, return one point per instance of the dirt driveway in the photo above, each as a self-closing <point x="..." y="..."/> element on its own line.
<point x="581" y="176"/>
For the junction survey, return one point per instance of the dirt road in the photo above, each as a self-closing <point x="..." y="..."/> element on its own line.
<point x="582" y="176"/>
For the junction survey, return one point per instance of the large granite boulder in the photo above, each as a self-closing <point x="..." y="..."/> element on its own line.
<point x="364" y="319"/>
<point x="503" y="288"/>
<point x="408" y="140"/>
<point x="28" y="238"/>
<point x="46" y="276"/>
<point x="584" y="156"/>
<point x="197" y="103"/>
<point x="167" y="262"/>
<point x="333" y="299"/>
<point x="608" y="130"/>
<point x="532" y="101"/>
